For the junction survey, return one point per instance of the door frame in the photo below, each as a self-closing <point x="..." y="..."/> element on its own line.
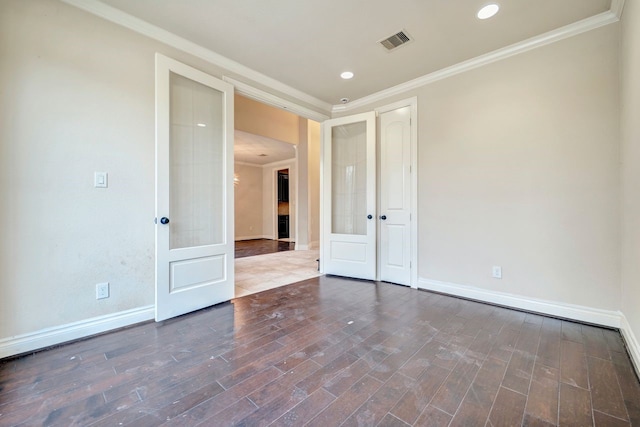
<point x="277" y="213"/>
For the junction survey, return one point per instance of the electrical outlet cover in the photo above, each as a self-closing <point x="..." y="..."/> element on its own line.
<point x="102" y="290"/>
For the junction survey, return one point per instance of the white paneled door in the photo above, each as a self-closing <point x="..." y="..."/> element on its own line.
<point x="349" y="196"/>
<point x="395" y="196"/>
<point x="194" y="189"/>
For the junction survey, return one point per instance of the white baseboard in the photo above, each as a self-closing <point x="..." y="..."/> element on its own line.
<point x="610" y="318"/>
<point x="596" y="316"/>
<point x="314" y="245"/>
<point x="300" y="247"/>
<point x="73" y="331"/>
<point x="631" y="341"/>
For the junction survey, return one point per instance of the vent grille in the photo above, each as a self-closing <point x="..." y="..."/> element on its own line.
<point x="395" y="41"/>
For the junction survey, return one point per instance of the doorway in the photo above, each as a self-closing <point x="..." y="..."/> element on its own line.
<point x="274" y="189"/>
<point x="283" y="213"/>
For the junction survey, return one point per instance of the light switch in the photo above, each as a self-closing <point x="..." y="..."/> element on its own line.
<point x="100" y="180"/>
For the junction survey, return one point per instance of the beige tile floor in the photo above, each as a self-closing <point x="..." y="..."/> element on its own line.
<point x="261" y="272"/>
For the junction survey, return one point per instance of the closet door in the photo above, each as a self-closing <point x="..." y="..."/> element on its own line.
<point x="349" y="196"/>
<point x="395" y="196"/>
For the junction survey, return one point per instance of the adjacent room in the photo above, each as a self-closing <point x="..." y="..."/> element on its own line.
<point x="266" y="194"/>
<point x="449" y="192"/>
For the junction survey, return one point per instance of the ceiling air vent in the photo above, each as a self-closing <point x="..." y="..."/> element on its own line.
<point x="395" y="41"/>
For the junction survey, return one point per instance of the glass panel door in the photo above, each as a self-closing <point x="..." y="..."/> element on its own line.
<point x="196" y="163"/>
<point x="349" y="240"/>
<point x="194" y="189"/>
<point x="349" y="174"/>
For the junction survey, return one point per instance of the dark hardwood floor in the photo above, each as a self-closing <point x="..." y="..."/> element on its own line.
<point x="328" y="352"/>
<point x="253" y="247"/>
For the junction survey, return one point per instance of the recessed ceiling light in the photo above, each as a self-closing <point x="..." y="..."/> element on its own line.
<point x="347" y="75"/>
<point x="488" y="11"/>
<point x="202" y="125"/>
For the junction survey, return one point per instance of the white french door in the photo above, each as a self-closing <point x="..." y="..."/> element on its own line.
<point x="194" y="189"/>
<point x="395" y="196"/>
<point x="369" y="195"/>
<point x="349" y="196"/>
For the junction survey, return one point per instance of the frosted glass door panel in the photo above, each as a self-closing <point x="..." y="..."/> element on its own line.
<point x="197" y="167"/>
<point x="349" y="188"/>
<point x="348" y="179"/>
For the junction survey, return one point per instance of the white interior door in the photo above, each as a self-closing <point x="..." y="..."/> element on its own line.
<point x="395" y="196"/>
<point x="194" y="189"/>
<point x="349" y="196"/>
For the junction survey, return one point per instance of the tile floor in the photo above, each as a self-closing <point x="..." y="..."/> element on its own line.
<point x="261" y="272"/>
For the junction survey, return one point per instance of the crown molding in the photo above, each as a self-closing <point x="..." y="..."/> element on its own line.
<point x="617" y="7"/>
<point x="119" y="17"/>
<point x="588" y="24"/>
<point x="116" y="16"/>
<point x="280" y="163"/>
<point x="253" y="165"/>
<point x="275" y="101"/>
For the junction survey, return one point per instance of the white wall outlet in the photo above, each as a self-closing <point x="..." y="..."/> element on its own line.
<point x="497" y="272"/>
<point x="102" y="290"/>
<point x="100" y="179"/>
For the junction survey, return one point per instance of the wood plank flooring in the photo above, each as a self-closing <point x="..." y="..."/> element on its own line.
<point x="245" y="248"/>
<point x="329" y="352"/>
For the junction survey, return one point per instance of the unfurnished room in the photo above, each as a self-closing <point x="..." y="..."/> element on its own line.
<point x="320" y="213"/>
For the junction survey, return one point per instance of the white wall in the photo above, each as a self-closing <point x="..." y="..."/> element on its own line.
<point x="261" y="119"/>
<point x="302" y="180"/>
<point x="519" y="167"/>
<point x="630" y="124"/>
<point x="77" y="97"/>
<point x="313" y="152"/>
<point x="308" y="184"/>
<point x="248" y="201"/>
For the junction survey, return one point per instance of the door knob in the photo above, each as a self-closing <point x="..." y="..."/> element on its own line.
<point x="164" y="220"/>
<point x="383" y="217"/>
<point x="369" y="216"/>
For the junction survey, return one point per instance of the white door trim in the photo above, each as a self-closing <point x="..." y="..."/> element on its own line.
<point x="413" y="104"/>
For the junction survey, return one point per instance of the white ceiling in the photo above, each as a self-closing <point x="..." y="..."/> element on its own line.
<point x="249" y="147"/>
<point x="306" y="44"/>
